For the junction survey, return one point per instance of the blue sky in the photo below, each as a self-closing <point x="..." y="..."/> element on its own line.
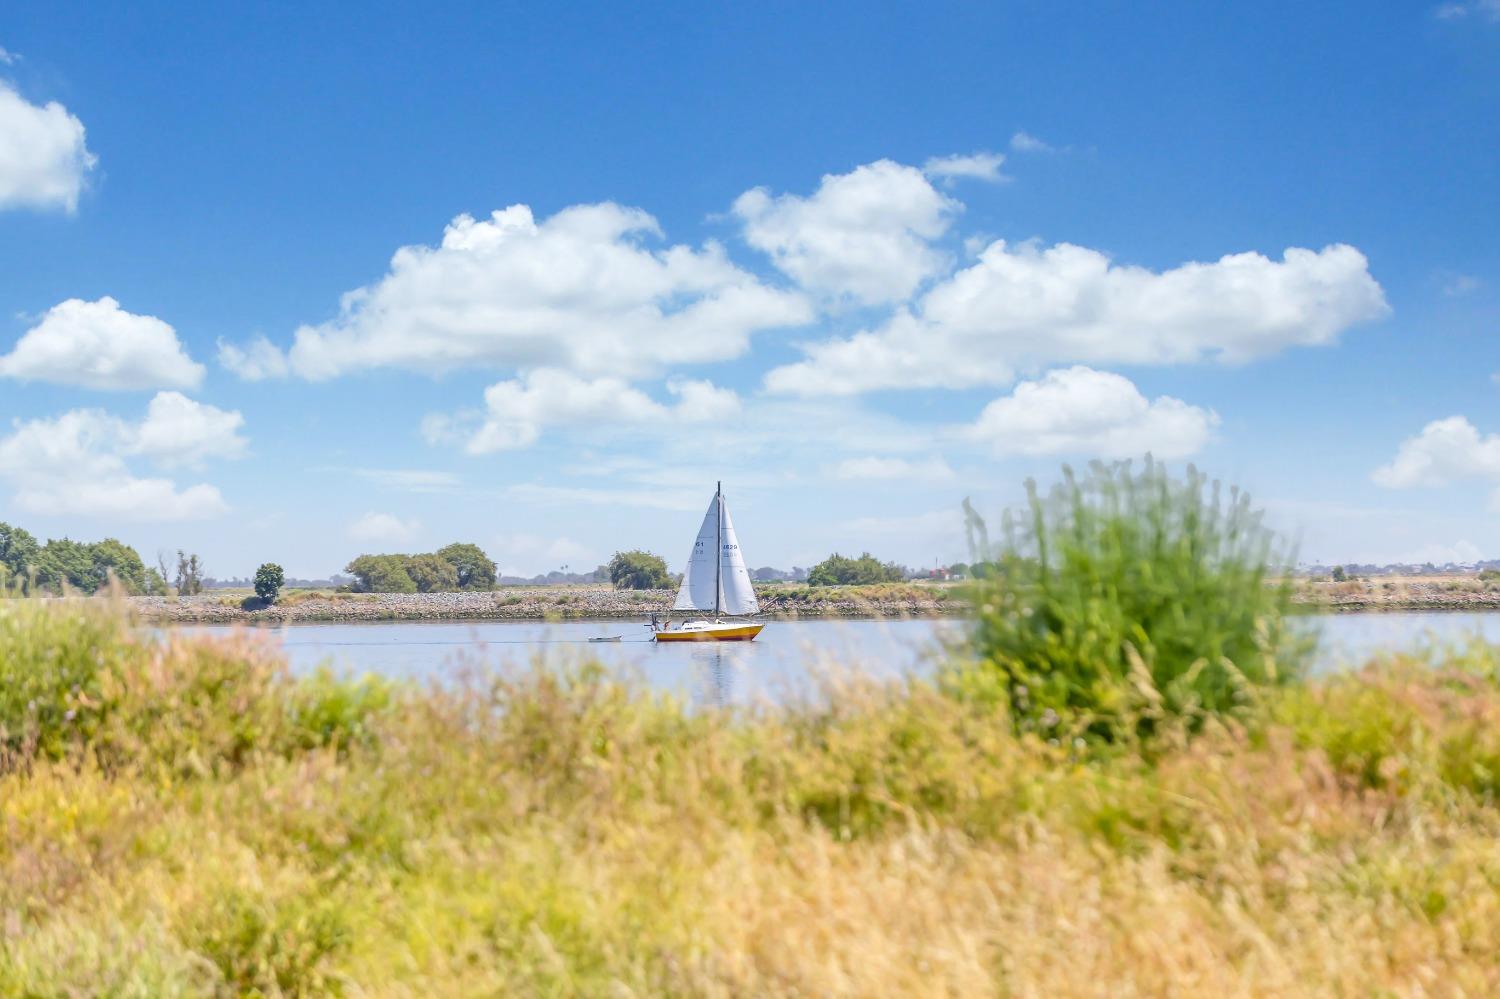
<point x="857" y="260"/>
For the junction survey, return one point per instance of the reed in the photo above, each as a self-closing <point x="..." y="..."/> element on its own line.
<point x="220" y="827"/>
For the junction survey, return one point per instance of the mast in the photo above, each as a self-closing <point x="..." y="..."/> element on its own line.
<point x="718" y="547"/>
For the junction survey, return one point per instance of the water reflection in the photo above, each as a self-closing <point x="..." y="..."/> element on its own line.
<point x="714" y="666"/>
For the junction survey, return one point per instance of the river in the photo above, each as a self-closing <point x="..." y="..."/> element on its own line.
<point x="780" y="663"/>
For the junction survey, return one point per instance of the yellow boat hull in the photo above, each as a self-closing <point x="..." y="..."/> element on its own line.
<point x="712" y="633"/>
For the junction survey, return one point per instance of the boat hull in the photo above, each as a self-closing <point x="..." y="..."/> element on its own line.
<point x="712" y="633"/>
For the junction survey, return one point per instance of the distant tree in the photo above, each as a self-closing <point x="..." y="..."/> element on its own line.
<point x="1338" y="574"/>
<point x="433" y="573"/>
<point x="381" y="574"/>
<point x="475" y="569"/>
<point x="837" y="570"/>
<point x="189" y="581"/>
<point x="268" y="582"/>
<point x="64" y="564"/>
<point x="156" y="583"/>
<point x="958" y="569"/>
<point x="639" y="570"/>
<point x="114" y="558"/>
<point x="600" y="575"/>
<point x="18" y="554"/>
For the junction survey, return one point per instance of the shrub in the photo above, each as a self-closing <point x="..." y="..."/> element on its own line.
<point x="639" y="570"/>
<point x="268" y="582"/>
<point x="1124" y="597"/>
<point x="836" y="570"/>
<point x="475" y="569"/>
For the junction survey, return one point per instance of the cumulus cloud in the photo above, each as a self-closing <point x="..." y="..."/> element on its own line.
<point x="1023" y="306"/>
<point x="580" y="290"/>
<point x="384" y="528"/>
<point x="1445" y="451"/>
<point x="517" y="411"/>
<point x="98" y="345"/>
<point x="256" y="361"/>
<point x="44" y="159"/>
<point x="863" y="236"/>
<point x="179" y="431"/>
<point x="1082" y="411"/>
<point x="975" y="166"/>
<point x="873" y="468"/>
<point x="76" y="463"/>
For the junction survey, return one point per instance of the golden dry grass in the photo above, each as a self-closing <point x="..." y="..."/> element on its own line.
<point x="202" y="824"/>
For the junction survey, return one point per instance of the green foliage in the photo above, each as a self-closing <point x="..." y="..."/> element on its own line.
<point x="18" y="555"/>
<point x="432" y="573"/>
<point x="454" y="567"/>
<point x="639" y="570"/>
<point x="836" y="570"/>
<point x="1338" y="575"/>
<point x="268" y="582"/>
<point x="381" y="574"/>
<point x="475" y="569"/>
<point x="1124" y="598"/>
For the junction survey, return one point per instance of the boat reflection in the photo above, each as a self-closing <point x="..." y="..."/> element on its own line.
<point x="716" y="666"/>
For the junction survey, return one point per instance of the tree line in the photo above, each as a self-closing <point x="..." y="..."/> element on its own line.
<point x="450" y="569"/>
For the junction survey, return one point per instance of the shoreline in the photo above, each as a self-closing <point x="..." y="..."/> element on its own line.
<point x="537" y="604"/>
<point x="601" y="603"/>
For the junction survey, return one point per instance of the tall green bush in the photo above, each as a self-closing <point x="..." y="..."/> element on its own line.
<point x="1123" y="597"/>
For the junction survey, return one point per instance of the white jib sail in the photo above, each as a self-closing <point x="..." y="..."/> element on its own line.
<point x="734" y="578"/>
<point x="725" y="589"/>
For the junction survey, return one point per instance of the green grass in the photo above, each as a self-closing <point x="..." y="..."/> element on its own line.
<point x="202" y="823"/>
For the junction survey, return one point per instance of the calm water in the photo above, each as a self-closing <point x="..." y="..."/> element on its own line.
<point x="777" y="662"/>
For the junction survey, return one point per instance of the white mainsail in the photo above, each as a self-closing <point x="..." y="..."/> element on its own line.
<point x="719" y="586"/>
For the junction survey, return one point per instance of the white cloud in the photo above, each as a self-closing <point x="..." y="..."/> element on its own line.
<point x="578" y="291"/>
<point x="1458" y="285"/>
<point x="1022" y="306"/>
<point x="975" y="166"/>
<point x="1487" y="9"/>
<point x="1445" y="451"/>
<point x="7" y="58"/>
<point x="1021" y="142"/>
<point x="1082" y="411"/>
<point x="863" y="236"/>
<point x="179" y="431"/>
<point x="75" y="464"/>
<point x="877" y="469"/>
<point x="98" y="345"/>
<point x="539" y="494"/>
<point x="256" y="361"/>
<point x="384" y="528"/>
<point x="411" y="480"/>
<point x="517" y="411"/>
<point x="524" y="554"/>
<point x="43" y="156"/>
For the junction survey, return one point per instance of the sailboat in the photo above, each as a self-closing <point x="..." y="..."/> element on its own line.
<point x="716" y="582"/>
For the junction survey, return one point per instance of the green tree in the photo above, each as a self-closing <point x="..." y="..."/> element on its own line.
<point x="381" y="574"/>
<point x="475" y="569"/>
<point x="959" y="569"/>
<point x="432" y="573"/>
<point x="639" y="570"/>
<point x="65" y="564"/>
<point x="18" y="553"/>
<point x="837" y="570"/>
<point x="112" y="557"/>
<point x="156" y="583"/>
<point x="268" y="582"/>
<point x="1338" y="574"/>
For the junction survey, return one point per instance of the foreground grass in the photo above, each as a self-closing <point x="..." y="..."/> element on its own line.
<point x="183" y="819"/>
